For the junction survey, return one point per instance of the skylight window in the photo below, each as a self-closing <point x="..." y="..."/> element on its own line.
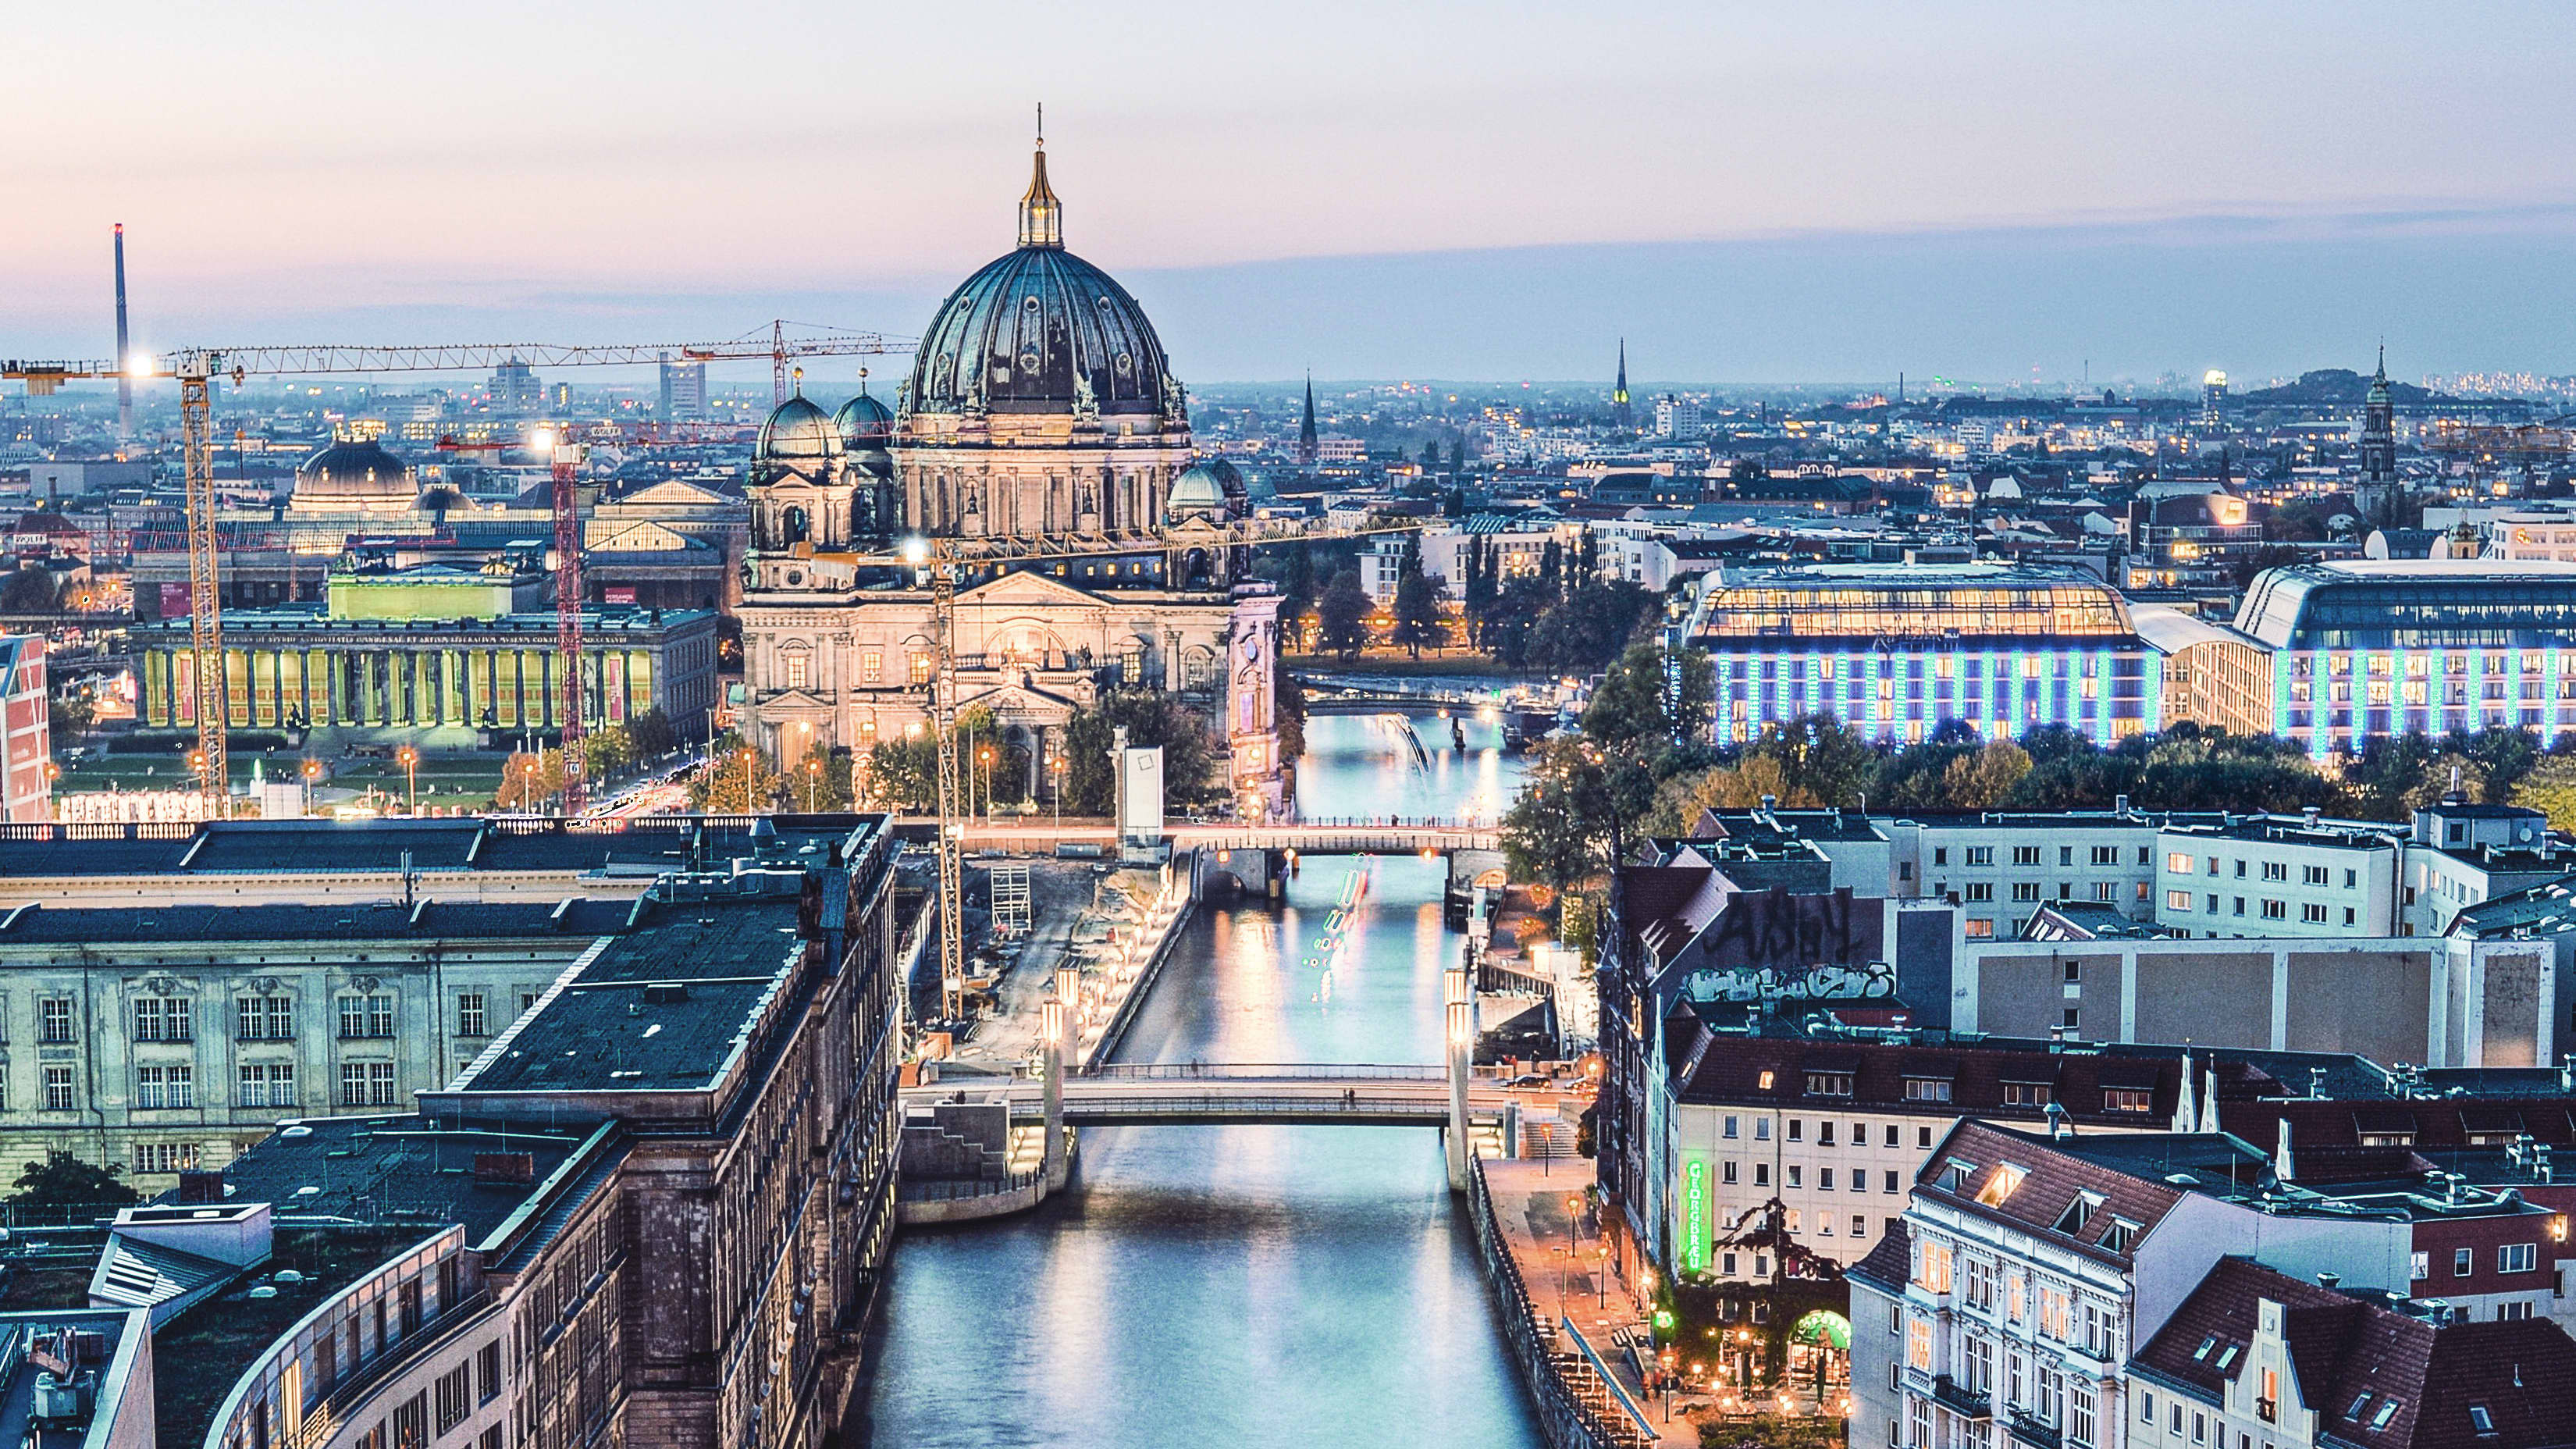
<point x="2480" y="1419"/>
<point x="2387" y="1411"/>
<point x="2202" y="1353"/>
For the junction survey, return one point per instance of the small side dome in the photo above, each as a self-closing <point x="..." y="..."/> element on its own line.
<point x="1199" y="490"/>
<point x="863" y="422"/>
<point x="799" y="431"/>
<point x="1229" y="478"/>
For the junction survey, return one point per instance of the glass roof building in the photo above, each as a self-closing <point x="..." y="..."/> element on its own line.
<point x="2351" y="650"/>
<point x="1895" y="650"/>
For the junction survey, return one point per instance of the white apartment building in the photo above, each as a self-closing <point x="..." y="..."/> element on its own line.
<point x="2033" y="1265"/>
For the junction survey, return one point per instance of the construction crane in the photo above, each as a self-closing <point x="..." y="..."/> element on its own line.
<point x="196" y="368"/>
<point x="943" y="560"/>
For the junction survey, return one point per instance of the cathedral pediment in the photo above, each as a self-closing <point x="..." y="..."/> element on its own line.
<point x="1022" y="702"/>
<point x="788" y="701"/>
<point x="1029" y="590"/>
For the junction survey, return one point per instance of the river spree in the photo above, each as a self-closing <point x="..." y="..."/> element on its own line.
<point x="1242" y="1286"/>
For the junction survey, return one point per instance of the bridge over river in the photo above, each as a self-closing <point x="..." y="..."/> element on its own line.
<point x="1183" y="1093"/>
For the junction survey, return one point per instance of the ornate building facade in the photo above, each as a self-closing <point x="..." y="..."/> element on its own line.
<point x="1041" y="441"/>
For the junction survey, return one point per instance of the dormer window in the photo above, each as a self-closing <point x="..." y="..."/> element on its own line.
<point x="2001" y="1185"/>
<point x="2078" y="1213"/>
<point x="2128" y="1099"/>
<point x="1955" y="1176"/>
<point x="2120" y="1235"/>
<point x="1927" y="1089"/>
<point x="1829" y="1084"/>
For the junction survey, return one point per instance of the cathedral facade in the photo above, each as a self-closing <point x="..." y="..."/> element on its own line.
<point x="1042" y="442"/>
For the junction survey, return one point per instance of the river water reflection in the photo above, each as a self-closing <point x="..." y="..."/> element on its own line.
<point x="1245" y="1286"/>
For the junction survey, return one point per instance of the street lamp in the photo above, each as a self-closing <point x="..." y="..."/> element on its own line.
<point x="528" y="791"/>
<point x="748" y="757"/>
<point x="984" y="757"/>
<point x="411" y="779"/>
<point x="812" y="771"/>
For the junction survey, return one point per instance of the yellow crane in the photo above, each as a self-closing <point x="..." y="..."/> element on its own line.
<point x="195" y="368"/>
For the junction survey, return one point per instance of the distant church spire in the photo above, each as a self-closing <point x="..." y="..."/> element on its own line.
<point x="2379" y="491"/>
<point x="1620" y="412"/>
<point x="1041" y="215"/>
<point x="1306" y="448"/>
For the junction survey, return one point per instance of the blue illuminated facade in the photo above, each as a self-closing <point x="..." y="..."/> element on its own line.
<point x="2371" y="648"/>
<point x="1894" y="651"/>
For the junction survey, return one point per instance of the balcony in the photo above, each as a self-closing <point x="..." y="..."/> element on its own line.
<point x="1959" y="1399"/>
<point x="2028" y="1428"/>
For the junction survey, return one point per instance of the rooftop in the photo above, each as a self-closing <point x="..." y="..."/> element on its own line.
<point x="641" y="846"/>
<point x="402" y="1171"/>
<point x="671" y="1006"/>
<point x="2376" y="1368"/>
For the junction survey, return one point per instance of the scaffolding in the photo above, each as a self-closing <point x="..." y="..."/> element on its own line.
<point x="1010" y="901"/>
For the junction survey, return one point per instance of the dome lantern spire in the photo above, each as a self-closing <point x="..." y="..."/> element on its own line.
<point x="1041" y="215"/>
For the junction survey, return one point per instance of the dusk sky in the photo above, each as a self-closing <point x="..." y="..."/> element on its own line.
<point x="1818" y="192"/>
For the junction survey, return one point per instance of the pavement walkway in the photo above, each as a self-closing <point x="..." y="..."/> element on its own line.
<point x="1531" y="1201"/>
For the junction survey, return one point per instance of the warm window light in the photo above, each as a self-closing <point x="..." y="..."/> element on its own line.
<point x="2001" y="1185"/>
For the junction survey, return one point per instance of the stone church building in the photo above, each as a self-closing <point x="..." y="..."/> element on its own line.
<point x="1042" y="441"/>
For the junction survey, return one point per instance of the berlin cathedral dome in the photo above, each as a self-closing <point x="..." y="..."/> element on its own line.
<point x="1041" y="331"/>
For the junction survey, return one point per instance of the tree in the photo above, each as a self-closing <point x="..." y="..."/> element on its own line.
<point x="606" y="750"/>
<point x="1417" y="611"/>
<point x="1555" y="831"/>
<point x="2550" y="788"/>
<point x="530" y="782"/>
<point x="1635" y="708"/>
<point x="62" y="1180"/>
<point x="822" y="779"/>
<point x="736" y="780"/>
<point x="28" y="591"/>
<point x="1344" y="609"/>
<point x="653" y="734"/>
<point x="903" y="774"/>
<point x="1194" y="768"/>
<point x="1820" y="757"/>
<point x="1985" y="779"/>
<point x="1587" y="629"/>
<point x="1289" y="700"/>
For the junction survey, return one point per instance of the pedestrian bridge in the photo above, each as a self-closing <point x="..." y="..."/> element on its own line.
<point x="1214" y="1094"/>
<point x="1382" y="835"/>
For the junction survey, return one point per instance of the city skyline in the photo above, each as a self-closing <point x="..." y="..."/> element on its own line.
<point x="1405" y="197"/>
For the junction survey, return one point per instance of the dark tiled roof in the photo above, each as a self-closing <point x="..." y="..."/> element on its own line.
<point x="2127" y="1184"/>
<point x="383" y="920"/>
<point x="1979" y="1067"/>
<point x="1889" y="1264"/>
<point x="2357" y="1355"/>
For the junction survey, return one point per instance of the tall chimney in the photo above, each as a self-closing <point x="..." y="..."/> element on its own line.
<point x="124" y="380"/>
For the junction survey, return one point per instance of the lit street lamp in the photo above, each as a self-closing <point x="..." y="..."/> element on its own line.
<point x="411" y="779"/>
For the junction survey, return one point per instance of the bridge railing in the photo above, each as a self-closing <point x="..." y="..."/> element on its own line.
<point x="1240" y="1106"/>
<point x="1265" y="1072"/>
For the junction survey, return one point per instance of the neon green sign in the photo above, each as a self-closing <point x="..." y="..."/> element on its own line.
<point x="1695" y="1214"/>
